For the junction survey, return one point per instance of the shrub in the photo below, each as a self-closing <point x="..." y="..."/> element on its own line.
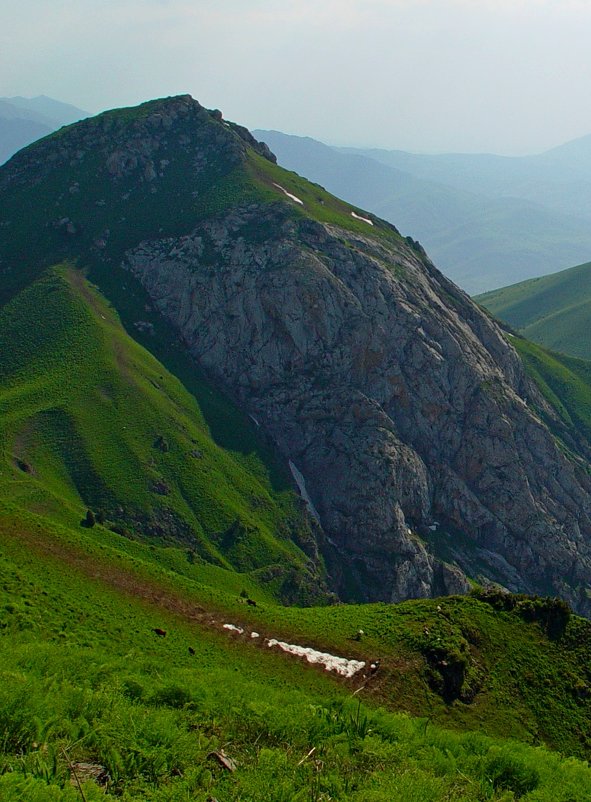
<point x="171" y="696"/>
<point x="507" y="773"/>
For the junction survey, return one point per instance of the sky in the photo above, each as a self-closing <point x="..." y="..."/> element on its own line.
<point x="500" y="76"/>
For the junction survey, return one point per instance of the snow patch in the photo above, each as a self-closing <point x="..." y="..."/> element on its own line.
<point x="340" y="665"/>
<point x="289" y="195"/>
<point x="301" y="483"/>
<point x="233" y="628"/>
<point x="363" y="219"/>
<point x="254" y="635"/>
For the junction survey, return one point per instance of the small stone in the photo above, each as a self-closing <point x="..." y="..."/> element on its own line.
<point x="223" y="759"/>
<point x="83" y="772"/>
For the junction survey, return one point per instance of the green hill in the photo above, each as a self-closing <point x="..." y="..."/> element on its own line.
<point x="554" y="310"/>
<point x="91" y="420"/>
<point x="87" y="681"/>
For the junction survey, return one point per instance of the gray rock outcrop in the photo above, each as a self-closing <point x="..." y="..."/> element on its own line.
<point x="400" y="402"/>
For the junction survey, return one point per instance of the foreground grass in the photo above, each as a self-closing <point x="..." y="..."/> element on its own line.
<point x="84" y="678"/>
<point x="153" y="727"/>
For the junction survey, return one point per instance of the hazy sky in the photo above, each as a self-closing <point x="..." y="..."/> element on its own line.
<point x="506" y="76"/>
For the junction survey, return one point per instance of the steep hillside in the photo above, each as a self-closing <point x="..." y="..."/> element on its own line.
<point x="91" y="420"/>
<point x="406" y="416"/>
<point x="554" y="311"/>
<point x="564" y="381"/>
<point x="479" y="234"/>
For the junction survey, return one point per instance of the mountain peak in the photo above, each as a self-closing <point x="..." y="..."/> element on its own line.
<point x="401" y="407"/>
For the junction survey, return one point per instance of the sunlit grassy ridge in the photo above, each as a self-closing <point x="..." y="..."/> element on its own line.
<point x="565" y="382"/>
<point x="89" y="419"/>
<point x="554" y="310"/>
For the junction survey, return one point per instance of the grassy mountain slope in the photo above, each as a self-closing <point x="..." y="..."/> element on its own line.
<point x="554" y="311"/>
<point x="564" y="381"/>
<point x="86" y="680"/>
<point x="91" y="420"/>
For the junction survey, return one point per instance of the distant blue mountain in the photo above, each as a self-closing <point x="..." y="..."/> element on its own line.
<point x="485" y="220"/>
<point x="23" y="120"/>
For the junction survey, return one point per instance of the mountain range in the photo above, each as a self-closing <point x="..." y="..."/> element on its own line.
<point x="485" y="220"/>
<point x="23" y="120"/>
<point x="318" y="318"/>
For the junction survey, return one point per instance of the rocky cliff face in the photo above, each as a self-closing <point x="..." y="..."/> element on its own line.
<point x="404" y="411"/>
<point x="398" y="400"/>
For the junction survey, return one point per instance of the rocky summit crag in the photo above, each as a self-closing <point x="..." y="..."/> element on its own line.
<point x="424" y="451"/>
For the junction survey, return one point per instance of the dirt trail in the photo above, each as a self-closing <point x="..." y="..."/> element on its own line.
<point x="142" y="588"/>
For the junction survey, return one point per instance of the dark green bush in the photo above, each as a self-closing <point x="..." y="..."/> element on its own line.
<point x="507" y="773"/>
<point x="172" y="696"/>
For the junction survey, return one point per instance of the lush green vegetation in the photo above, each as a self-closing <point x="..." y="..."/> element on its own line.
<point x="89" y="419"/>
<point x="564" y="381"/>
<point x="552" y="310"/>
<point x="85" y="679"/>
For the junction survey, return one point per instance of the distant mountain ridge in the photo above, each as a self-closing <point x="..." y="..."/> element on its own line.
<point x="486" y="220"/>
<point x="24" y="120"/>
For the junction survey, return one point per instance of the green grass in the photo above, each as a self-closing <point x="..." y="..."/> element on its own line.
<point x="84" y="678"/>
<point x="564" y="381"/>
<point x="317" y="203"/>
<point x="553" y="311"/>
<point x="90" y="419"/>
